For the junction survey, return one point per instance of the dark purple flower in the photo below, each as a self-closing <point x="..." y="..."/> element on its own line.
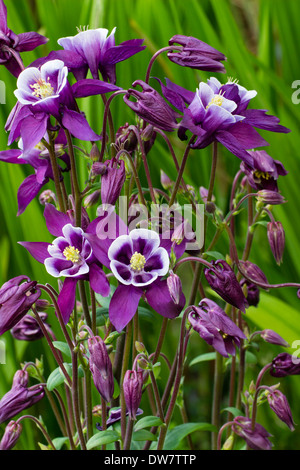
<point x="257" y="438"/>
<point x="28" y="328"/>
<point x="279" y="404"/>
<point x="38" y="158"/>
<point x="215" y="327"/>
<point x="12" y="44"/>
<point x="264" y="172"/>
<point x="276" y="237"/>
<point x="11" y="434"/>
<point x="253" y="272"/>
<point x="139" y="262"/>
<point x="93" y="49"/>
<point x="272" y="337"/>
<point x="112" y="181"/>
<point x="285" y="364"/>
<point x="73" y="255"/>
<point x="151" y="106"/>
<point x="115" y="416"/>
<point x="20" y="396"/>
<point x="101" y="367"/>
<point x="222" y="280"/>
<point x="132" y="388"/>
<point x="16" y="299"/>
<point x="44" y="91"/>
<point x="251" y="292"/>
<point x="196" y="54"/>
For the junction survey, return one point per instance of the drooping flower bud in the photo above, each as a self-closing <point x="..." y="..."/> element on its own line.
<point x="175" y="287"/>
<point x="126" y="138"/>
<point x="165" y="180"/>
<point x="28" y="328"/>
<point x="47" y="196"/>
<point x="279" y="404"/>
<point x="215" y="327"/>
<point x="270" y="197"/>
<point x="16" y="298"/>
<point x="101" y="367"/>
<point x="132" y="387"/>
<point x="92" y="199"/>
<point x="285" y="364"/>
<point x="251" y="292"/>
<point x="257" y="438"/>
<point x="112" y="181"/>
<point x="272" y="337"/>
<point x="11" y="435"/>
<point x="98" y="168"/>
<point x="222" y="280"/>
<point x="276" y="237"/>
<point x="253" y="272"/>
<point x="94" y="153"/>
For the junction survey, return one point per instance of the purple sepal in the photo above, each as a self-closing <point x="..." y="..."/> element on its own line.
<point x="38" y="250"/>
<point x="159" y="298"/>
<point x="78" y="126"/>
<point x="66" y="298"/>
<point x="123" y="305"/>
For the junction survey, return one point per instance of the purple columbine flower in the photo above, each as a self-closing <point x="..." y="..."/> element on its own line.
<point x="251" y="292"/>
<point x="101" y="367"/>
<point x="115" y="416"/>
<point x="11" y="44"/>
<point x="196" y="54"/>
<point x="16" y="298"/>
<point x="280" y="405"/>
<point x="38" y="158"/>
<point x="20" y="396"/>
<point x="151" y="106"/>
<point x="132" y="388"/>
<point x="272" y="337"/>
<point x="257" y="438"/>
<point x="276" y="237"/>
<point x="139" y="262"/>
<point x="285" y="364"/>
<point x="44" y="91"/>
<point x="222" y="280"/>
<point x="28" y="329"/>
<point x="74" y="255"/>
<point x="215" y="327"/>
<point x="11" y="434"/>
<point x="93" y="49"/>
<point x="264" y="172"/>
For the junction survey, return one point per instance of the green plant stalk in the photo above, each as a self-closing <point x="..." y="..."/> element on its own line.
<point x="40" y="426"/>
<point x="126" y="355"/>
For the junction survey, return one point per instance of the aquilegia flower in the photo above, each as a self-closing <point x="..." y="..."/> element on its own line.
<point x="20" y="396"/>
<point x="132" y="388"/>
<point x="71" y="255"/>
<point x="16" y="298"/>
<point x="215" y="327"/>
<point x="196" y="54"/>
<point x="12" y="44"/>
<point x="11" y="434"/>
<point x="257" y="438"/>
<point x="280" y="405"/>
<point x="139" y="263"/>
<point x="222" y="280"/>
<point x="276" y="237"/>
<point x="285" y="364"/>
<point x="93" y="49"/>
<point x="101" y="367"/>
<point x="264" y="172"/>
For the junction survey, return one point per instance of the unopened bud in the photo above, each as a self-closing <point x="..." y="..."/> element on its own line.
<point x="99" y="168"/>
<point x="165" y="180"/>
<point x="132" y="387"/>
<point x="92" y="199"/>
<point x="228" y="444"/>
<point x="11" y="435"/>
<point x="272" y="337"/>
<point x="94" y="153"/>
<point x="175" y="287"/>
<point x="47" y="196"/>
<point x="270" y="197"/>
<point x="276" y="237"/>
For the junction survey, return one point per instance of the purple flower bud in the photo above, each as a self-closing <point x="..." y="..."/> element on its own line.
<point x="276" y="237"/>
<point x="151" y="107"/>
<point x="112" y="181"/>
<point x="264" y="172"/>
<point x="92" y="199"/>
<point x="115" y="416"/>
<point x="28" y="328"/>
<point x="47" y="196"/>
<point x="98" y="168"/>
<point x="11" y="435"/>
<point x="253" y="272"/>
<point x="126" y="138"/>
<point x="222" y="280"/>
<point x="279" y="404"/>
<point x="257" y="438"/>
<point x="165" y="180"/>
<point x="132" y="387"/>
<point x="270" y="197"/>
<point x="101" y="367"/>
<point x="196" y="54"/>
<point x="284" y="364"/>
<point x="251" y="292"/>
<point x="16" y="298"/>
<point x="215" y="327"/>
<point x="94" y="153"/>
<point x="274" y="338"/>
<point x="19" y="397"/>
<point x="175" y="287"/>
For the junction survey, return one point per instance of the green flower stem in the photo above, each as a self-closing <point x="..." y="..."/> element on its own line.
<point x="84" y="302"/>
<point x="56" y="173"/>
<point x="154" y="57"/>
<point x="217" y="395"/>
<point x="105" y="119"/>
<point x="66" y="419"/>
<point x="126" y="355"/>
<point x="136" y="177"/>
<point x="88" y="402"/>
<point x="40" y="426"/>
<point x="181" y="171"/>
<point x="128" y="435"/>
<point x="75" y="184"/>
<point x="75" y="399"/>
<point x="157" y="397"/>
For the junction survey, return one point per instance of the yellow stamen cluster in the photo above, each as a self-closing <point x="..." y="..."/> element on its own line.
<point x="72" y="254"/>
<point x="137" y="261"/>
<point x="42" y="88"/>
<point x="261" y="174"/>
<point x="217" y="99"/>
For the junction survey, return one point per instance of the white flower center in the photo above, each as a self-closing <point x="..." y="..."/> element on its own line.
<point x="42" y="88"/>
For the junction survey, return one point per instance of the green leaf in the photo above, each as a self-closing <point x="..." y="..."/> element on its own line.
<point x="63" y="347"/>
<point x="101" y="438"/>
<point x="59" y="442"/>
<point x="215" y="254"/>
<point x="148" y="422"/>
<point x="175" y="435"/>
<point x="234" y="411"/>
<point x="203" y="357"/>
<point x="143" y="435"/>
<point x="57" y="378"/>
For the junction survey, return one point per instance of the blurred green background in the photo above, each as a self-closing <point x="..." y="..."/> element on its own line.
<point x="260" y="39"/>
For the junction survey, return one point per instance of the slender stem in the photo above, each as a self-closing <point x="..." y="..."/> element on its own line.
<point x="154" y="57"/>
<point x="66" y="420"/>
<point x="84" y="303"/>
<point x="157" y="396"/>
<point x="217" y="395"/>
<point x="56" y="174"/>
<point x="105" y="118"/>
<point x="128" y="435"/>
<point x="40" y="426"/>
<point x="126" y="354"/>
<point x="88" y="402"/>
<point x="160" y="340"/>
<point x="15" y="55"/>
<point x="136" y="177"/>
<point x="181" y="170"/>
<point x="75" y="398"/>
<point x="75" y="184"/>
